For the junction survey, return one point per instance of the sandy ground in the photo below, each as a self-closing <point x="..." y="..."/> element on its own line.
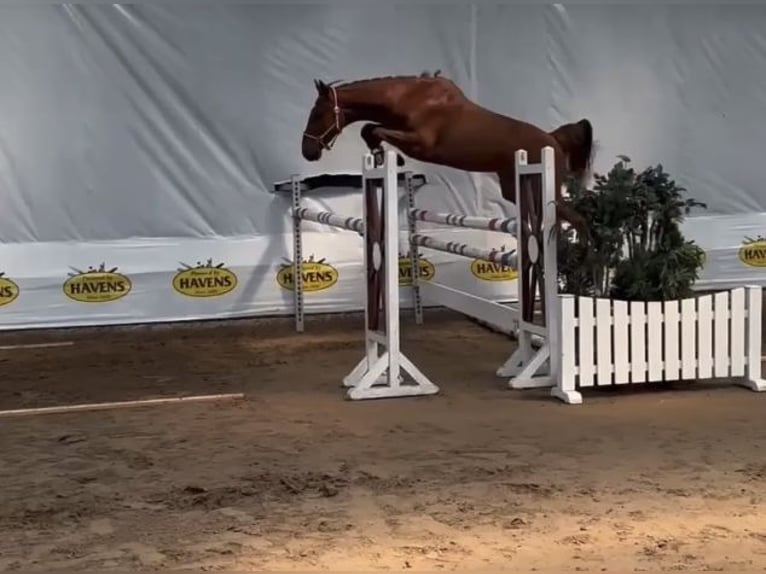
<point x="294" y="477"/>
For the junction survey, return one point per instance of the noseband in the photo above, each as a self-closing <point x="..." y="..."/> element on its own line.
<point x="335" y="125"/>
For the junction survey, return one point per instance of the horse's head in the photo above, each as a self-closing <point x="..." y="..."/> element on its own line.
<point x="324" y="124"/>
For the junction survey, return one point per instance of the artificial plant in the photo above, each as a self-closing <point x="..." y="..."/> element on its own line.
<point x="636" y="250"/>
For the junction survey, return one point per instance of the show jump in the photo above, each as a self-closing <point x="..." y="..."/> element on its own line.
<point x="565" y="343"/>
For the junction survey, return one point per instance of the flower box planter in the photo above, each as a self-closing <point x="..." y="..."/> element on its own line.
<point x="606" y="343"/>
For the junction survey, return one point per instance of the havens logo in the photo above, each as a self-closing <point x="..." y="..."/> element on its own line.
<point x="316" y="276"/>
<point x="753" y="251"/>
<point x="425" y="267"/>
<point x="9" y="291"/>
<point x="204" y="280"/>
<point x="489" y="271"/>
<point x="99" y="285"/>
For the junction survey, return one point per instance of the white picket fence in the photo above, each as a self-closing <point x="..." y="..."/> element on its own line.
<point x="607" y="342"/>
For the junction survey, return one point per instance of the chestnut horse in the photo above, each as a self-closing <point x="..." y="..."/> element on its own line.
<point x="429" y="118"/>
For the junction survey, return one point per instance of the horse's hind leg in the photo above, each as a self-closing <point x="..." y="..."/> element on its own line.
<point x="374" y="141"/>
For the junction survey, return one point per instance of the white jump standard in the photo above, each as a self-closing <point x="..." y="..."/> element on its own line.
<point x="380" y="374"/>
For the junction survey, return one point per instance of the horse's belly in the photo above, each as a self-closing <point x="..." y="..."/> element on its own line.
<point x="468" y="156"/>
<point x="473" y="149"/>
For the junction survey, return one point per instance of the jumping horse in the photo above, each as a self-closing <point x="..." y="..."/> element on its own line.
<point x="429" y="118"/>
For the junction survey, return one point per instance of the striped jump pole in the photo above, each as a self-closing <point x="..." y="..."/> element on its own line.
<point x="469" y="221"/>
<point x="331" y="219"/>
<point x="507" y="258"/>
<point x="328" y="218"/>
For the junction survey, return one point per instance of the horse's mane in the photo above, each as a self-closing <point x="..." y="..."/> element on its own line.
<point x="352" y="83"/>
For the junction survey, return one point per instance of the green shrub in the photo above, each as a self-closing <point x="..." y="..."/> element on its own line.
<point x="636" y="250"/>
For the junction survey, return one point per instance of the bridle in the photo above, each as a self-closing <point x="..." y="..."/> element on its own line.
<point x="335" y="125"/>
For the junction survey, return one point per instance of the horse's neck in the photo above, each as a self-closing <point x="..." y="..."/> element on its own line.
<point x="367" y="103"/>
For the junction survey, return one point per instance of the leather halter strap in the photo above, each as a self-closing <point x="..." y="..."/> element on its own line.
<point x="333" y="126"/>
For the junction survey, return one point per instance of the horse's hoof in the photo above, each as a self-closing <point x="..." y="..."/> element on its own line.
<point x="379" y="157"/>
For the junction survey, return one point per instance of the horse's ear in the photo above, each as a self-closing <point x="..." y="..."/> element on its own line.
<point x="321" y="87"/>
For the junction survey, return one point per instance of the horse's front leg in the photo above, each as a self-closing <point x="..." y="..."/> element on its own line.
<point x="412" y="143"/>
<point x="368" y="135"/>
<point x="374" y="141"/>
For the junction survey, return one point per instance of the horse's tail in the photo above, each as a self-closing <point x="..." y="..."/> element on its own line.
<point x="576" y="141"/>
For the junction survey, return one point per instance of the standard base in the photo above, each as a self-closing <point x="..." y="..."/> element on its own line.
<point x="375" y="381"/>
<point x="540" y="382"/>
<point x="570" y="397"/>
<point x="528" y="372"/>
<point x="514" y="366"/>
<point x="757" y="385"/>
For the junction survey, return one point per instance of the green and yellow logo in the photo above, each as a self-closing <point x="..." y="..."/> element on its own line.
<point x="426" y="269"/>
<point x="316" y="275"/>
<point x="752" y="252"/>
<point x="206" y="279"/>
<point x="489" y="271"/>
<point x="9" y="291"/>
<point x="96" y="285"/>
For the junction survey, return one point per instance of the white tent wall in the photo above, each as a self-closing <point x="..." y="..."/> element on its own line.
<point x="147" y="137"/>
